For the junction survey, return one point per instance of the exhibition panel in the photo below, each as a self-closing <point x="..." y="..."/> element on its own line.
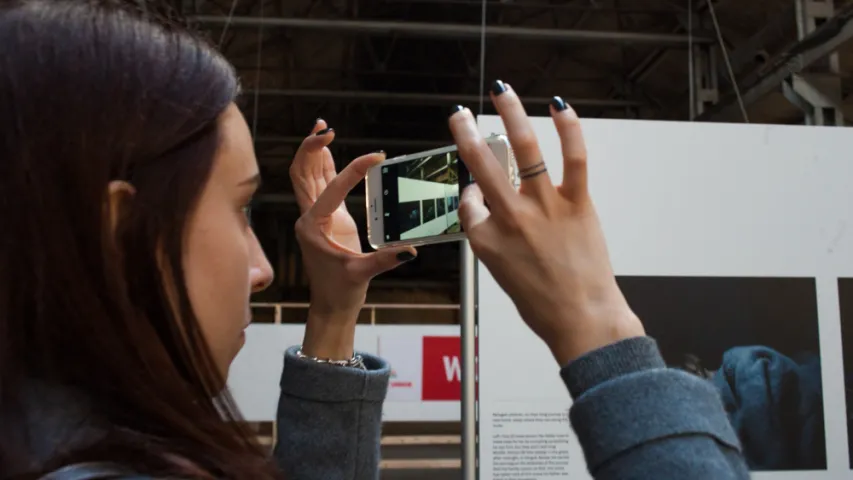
<point x="728" y="241"/>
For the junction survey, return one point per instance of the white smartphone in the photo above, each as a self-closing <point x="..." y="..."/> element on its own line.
<point x="414" y="199"/>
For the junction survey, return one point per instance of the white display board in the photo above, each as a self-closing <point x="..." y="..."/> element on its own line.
<point x="425" y="380"/>
<point x="723" y="236"/>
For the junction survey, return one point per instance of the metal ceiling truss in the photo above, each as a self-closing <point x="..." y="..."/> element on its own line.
<point x="821" y="89"/>
<point x="423" y="98"/>
<point x="821" y="31"/>
<point x="370" y="100"/>
<point x="450" y="30"/>
<point x="636" y="96"/>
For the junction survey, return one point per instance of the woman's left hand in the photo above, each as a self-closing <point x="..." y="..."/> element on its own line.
<point x="338" y="271"/>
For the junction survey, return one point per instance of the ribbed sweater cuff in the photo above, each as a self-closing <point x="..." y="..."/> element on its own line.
<point x="614" y="360"/>
<point x="310" y="380"/>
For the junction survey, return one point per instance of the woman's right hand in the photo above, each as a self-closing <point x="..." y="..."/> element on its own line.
<point x="543" y="244"/>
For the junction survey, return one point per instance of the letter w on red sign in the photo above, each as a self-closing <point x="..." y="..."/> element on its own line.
<point x="442" y="369"/>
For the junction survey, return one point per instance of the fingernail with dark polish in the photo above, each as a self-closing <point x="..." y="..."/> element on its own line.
<point x="456" y="109"/>
<point x="498" y="87"/>
<point x="405" y="256"/>
<point x="379" y="151"/>
<point x="325" y="131"/>
<point x="558" y="104"/>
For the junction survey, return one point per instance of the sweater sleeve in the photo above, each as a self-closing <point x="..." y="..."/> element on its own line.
<point x="330" y="419"/>
<point x="637" y="419"/>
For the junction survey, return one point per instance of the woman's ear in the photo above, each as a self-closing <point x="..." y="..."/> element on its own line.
<point x="119" y="196"/>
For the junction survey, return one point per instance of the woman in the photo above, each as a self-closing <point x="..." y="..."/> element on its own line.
<point x="127" y="262"/>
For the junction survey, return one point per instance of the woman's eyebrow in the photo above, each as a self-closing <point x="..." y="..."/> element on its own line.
<point x="254" y="180"/>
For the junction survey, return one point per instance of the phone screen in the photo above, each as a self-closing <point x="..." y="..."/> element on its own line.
<point x="421" y="196"/>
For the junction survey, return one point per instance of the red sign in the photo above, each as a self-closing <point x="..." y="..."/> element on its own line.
<point x="442" y="369"/>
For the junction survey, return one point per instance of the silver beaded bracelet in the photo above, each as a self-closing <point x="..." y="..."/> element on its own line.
<point x="355" y="362"/>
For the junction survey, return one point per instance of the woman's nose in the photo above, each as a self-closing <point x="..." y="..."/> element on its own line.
<point x="261" y="275"/>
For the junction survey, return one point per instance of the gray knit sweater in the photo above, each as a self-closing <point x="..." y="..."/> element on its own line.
<point x="635" y="418"/>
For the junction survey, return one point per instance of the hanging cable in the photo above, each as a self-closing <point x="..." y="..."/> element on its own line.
<point x="258" y="73"/>
<point x="726" y="59"/>
<point x="690" y="66"/>
<point x="228" y="22"/>
<point x="482" y="55"/>
<point x="143" y="7"/>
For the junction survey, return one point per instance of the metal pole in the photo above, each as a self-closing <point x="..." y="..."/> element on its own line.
<point x="470" y="407"/>
<point x="468" y="315"/>
<point x="427" y="98"/>
<point x="448" y="30"/>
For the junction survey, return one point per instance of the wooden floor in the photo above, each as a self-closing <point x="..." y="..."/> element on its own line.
<point x="416" y="457"/>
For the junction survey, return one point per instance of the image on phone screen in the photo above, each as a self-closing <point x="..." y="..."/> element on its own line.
<point x="421" y="196"/>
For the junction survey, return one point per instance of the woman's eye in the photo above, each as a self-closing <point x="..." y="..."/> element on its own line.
<point x="247" y="212"/>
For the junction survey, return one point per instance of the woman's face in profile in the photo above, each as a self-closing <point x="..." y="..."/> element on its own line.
<point x="224" y="263"/>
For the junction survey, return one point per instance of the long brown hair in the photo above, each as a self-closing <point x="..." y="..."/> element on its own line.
<point x="91" y="92"/>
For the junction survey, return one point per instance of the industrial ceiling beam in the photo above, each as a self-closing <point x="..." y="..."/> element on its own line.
<point x="651" y="61"/>
<point x="426" y="98"/>
<point x="794" y="59"/>
<point x="596" y="8"/>
<point x="451" y="30"/>
<point x="289" y="198"/>
<point x="358" y="142"/>
<point x="779" y="29"/>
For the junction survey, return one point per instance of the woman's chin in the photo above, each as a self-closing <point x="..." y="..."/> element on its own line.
<point x="241" y="342"/>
